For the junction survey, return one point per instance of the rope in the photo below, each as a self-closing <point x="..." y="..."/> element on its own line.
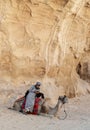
<point x="65" y="114"/>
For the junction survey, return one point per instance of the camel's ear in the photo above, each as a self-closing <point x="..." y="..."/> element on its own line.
<point x="59" y="98"/>
<point x="65" y="96"/>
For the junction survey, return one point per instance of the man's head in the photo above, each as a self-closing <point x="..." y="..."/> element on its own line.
<point x="38" y="84"/>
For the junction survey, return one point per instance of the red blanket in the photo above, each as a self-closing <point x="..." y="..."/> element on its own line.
<point x="36" y="105"/>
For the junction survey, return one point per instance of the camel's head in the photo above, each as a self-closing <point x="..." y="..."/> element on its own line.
<point x="63" y="99"/>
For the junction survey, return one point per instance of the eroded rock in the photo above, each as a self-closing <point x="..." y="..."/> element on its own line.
<point x="46" y="40"/>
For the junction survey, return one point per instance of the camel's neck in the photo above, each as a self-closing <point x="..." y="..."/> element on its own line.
<point x="54" y="110"/>
<point x="57" y="105"/>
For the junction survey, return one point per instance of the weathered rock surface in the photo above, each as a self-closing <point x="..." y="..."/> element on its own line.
<point x="46" y="40"/>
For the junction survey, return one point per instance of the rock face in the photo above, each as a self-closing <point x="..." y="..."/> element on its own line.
<point x="46" y="40"/>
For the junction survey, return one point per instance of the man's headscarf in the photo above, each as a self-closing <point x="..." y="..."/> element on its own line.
<point x="38" y="84"/>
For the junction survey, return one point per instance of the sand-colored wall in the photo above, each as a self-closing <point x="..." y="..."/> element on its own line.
<point x="46" y="40"/>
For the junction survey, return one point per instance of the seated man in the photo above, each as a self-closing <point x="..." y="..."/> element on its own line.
<point x="32" y="99"/>
<point x="39" y="98"/>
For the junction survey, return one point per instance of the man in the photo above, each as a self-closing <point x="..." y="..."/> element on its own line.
<point x="30" y="98"/>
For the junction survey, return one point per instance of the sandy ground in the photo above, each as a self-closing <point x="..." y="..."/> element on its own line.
<point x="78" y="110"/>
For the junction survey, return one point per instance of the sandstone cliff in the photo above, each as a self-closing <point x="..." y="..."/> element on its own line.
<point x="46" y="40"/>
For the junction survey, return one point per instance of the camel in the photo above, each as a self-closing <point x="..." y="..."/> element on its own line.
<point x="44" y="109"/>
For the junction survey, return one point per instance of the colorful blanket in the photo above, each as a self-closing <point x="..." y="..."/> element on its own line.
<point x="36" y="105"/>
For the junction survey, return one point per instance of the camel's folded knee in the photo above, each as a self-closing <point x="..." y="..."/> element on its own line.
<point x="46" y="115"/>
